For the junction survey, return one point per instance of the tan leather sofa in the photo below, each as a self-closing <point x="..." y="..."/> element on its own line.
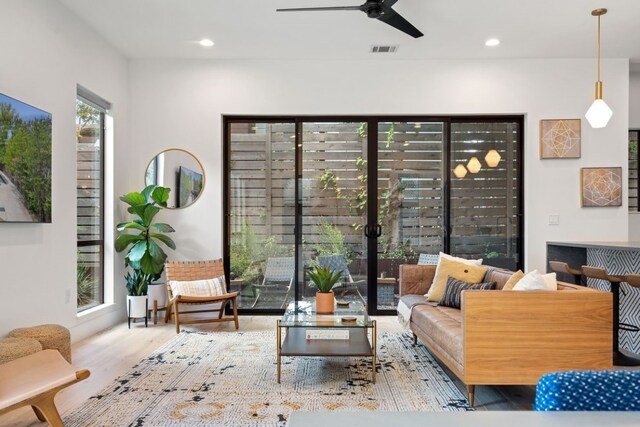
<point x="512" y="337"/>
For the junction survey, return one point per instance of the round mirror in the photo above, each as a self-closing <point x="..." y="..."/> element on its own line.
<point x="180" y="171"/>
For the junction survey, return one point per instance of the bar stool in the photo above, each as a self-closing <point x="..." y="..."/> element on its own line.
<point x="633" y="280"/>
<point x="563" y="267"/>
<point x="619" y="358"/>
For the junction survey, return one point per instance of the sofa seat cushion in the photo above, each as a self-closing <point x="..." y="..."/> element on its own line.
<point x="443" y="325"/>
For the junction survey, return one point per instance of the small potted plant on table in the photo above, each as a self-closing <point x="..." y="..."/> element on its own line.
<point x="324" y="279"/>
<point x="145" y="256"/>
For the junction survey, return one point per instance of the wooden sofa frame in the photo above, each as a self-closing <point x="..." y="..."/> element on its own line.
<point x="514" y="337"/>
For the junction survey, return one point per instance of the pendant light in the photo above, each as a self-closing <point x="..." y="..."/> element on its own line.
<point x="599" y="113"/>
<point x="474" y="165"/>
<point x="460" y="171"/>
<point x="492" y="158"/>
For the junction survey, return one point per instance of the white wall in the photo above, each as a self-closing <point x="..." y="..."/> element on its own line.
<point x="44" y="52"/>
<point x="634" y="123"/>
<point x="184" y="100"/>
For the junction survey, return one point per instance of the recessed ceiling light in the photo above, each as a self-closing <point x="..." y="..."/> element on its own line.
<point x="206" y="43"/>
<point x="492" y="42"/>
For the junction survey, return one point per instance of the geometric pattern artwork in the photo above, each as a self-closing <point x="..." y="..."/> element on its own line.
<point x="229" y="379"/>
<point x="601" y="187"/>
<point x="620" y="262"/>
<point x="560" y="139"/>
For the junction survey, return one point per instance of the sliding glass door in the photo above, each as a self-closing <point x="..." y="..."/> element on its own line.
<point x="410" y="199"/>
<point x="260" y="208"/>
<point x="486" y="202"/>
<point x="364" y="195"/>
<point x="333" y="197"/>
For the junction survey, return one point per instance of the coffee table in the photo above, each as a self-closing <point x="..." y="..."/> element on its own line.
<point x="301" y="316"/>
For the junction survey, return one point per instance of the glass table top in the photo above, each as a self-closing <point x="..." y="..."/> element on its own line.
<point x="303" y="314"/>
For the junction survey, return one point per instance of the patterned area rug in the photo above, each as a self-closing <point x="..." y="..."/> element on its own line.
<point x="229" y="379"/>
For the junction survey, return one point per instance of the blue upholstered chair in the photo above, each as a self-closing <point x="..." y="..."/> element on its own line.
<point x="589" y="391"/>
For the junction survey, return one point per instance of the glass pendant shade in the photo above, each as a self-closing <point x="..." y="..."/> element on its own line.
<point x="599" y="114"/>
<point x="474" y="165"/>
<point x="492" y="158"/>
<point x="460" y="171"/>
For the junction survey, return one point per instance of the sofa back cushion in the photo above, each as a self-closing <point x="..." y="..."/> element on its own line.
<point x="498" y="275"/>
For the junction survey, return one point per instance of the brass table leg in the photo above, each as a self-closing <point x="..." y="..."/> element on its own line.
<point x="279" y="345"/>
<point x="374" y="340"/>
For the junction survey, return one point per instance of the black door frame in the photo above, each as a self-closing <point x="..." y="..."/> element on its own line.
<point x="372" y="186"/>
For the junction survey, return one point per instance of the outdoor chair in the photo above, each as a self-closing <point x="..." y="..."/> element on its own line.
<point x="338" y="263"/>
<point x="184" y="274"/>
<point x="278" y="279"/>
<point x="428" y="259"/>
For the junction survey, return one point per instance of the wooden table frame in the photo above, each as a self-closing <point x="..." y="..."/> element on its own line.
<point x="328" y="348"/>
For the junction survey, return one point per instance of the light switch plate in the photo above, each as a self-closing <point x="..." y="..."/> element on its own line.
<point x="554" y="219"/>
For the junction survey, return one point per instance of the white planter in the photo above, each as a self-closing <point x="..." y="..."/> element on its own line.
<point x="137" y="306"/>
<point x="157" y="292"/>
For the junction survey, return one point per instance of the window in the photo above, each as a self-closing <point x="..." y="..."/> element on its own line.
<point x="90" y="131"/>
<point x="634" y="168"/>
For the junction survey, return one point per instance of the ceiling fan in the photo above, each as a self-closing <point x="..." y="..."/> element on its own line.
<point x="375" y="9"/>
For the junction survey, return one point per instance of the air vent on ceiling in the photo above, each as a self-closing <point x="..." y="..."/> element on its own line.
<point x="384" y="49"/>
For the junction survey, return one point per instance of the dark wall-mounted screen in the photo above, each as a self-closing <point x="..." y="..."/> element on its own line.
<point x="25" y="162"/>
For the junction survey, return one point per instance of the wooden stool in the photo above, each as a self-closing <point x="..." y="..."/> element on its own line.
<point x="619" y="357"/>
<point x="55" y="337"/>
<point x="14" y="348"/>
<point x="563" y="267"/>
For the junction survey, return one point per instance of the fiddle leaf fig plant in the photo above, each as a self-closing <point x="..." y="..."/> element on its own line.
<point x="323" y="278"/>
<point x="143" y="237"/>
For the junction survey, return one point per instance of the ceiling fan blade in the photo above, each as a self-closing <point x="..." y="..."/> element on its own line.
<point x="389" y="3"/>
<point x="394" y="19"/>
<point x="314" y="9"/>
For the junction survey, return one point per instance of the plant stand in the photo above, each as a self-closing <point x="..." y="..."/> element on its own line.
<point x="157" y="292"/>
<point x="134" y="306"/>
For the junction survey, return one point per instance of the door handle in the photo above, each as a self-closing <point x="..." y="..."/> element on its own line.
<point x="367" y="229"/>
<point x="378" y="230"/>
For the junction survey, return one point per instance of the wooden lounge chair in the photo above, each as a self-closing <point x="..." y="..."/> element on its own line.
<point x="198" y="270"/>
<point x="34" y="380"/>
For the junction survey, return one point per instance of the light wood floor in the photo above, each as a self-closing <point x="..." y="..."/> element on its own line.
<point x="112" y="352"/>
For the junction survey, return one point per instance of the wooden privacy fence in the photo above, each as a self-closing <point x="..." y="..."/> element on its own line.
<point x="410" y="185"/>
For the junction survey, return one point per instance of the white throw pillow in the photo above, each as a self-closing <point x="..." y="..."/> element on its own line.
<point x="199" y="288"/>
<point x="534" y="281"/>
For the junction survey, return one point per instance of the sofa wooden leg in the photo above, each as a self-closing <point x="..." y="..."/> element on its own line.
<point x="471" y="392"/>
<point x="415" y="339"/>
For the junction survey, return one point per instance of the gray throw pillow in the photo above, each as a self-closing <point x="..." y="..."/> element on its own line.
<point x="453" y="293"/>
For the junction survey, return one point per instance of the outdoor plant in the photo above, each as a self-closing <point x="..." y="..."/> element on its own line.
<point x="85" y="284"/>
<point x="323" y="278"/>
<point x="145" y="255"/>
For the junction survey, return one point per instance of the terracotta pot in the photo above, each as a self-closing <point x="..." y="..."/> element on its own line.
<point x="324" y="302"/>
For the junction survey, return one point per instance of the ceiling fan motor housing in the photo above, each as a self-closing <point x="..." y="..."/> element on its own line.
<point x="373" y="9"/>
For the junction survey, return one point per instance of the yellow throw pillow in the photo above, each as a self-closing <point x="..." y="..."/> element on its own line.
<point x="515" y="278"/>
<point x="457" y="270"/>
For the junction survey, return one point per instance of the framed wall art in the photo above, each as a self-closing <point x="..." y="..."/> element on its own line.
<point x="601" y="187"/>
<point x="560" y="139"/>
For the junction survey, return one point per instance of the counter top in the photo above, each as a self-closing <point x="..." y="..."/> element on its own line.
<point x="464" y="419"/>
<point x="602" y="245"/>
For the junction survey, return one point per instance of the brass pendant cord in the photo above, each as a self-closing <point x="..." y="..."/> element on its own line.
<point x="598" y="48"/>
